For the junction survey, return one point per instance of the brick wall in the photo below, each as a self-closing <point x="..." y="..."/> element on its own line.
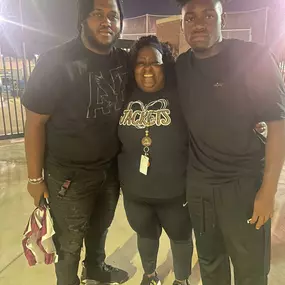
<point x="168" y="30"/>
<point x="183" y="45"/>
<point x="256" y="20"/>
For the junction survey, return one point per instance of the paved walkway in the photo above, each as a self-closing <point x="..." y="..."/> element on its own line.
<point x="16" y="206"/>
<point x="12" y="115"/>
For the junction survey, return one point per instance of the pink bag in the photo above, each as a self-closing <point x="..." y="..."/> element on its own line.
<point x="38" y="242"/>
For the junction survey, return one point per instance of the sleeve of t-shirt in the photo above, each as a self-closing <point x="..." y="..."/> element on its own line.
<point x="267" y="89"/>
<point x="45" y="86"/>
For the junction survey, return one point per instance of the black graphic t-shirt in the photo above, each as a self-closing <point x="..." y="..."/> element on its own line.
<point x="83" y="92"/>
<point x="223" y="98"/>
<point x="168" y="152"/>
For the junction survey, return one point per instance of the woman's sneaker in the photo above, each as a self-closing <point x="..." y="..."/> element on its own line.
<point x="154" y="280"/>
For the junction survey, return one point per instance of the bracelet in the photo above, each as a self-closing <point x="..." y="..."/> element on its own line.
<point x="36" y="181"/>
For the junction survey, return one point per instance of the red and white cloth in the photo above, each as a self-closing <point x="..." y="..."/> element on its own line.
<point x="38" y="242"/>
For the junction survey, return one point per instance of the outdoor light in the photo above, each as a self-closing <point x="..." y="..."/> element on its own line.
<point x="2" y="10"/>
<point x="3" y="14"/>
<point x="2" y="23"/>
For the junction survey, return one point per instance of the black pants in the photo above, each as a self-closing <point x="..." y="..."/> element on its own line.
<point x="148" y="219"/>
<point x="84" y="212"/>
<point x="219" y="217"/>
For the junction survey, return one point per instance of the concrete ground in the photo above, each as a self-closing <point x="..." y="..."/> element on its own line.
<point x="12" y="115"/>
<point x="16" y="206"/>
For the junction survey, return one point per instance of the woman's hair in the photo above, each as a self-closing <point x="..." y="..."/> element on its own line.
<point x="164" y="48"/>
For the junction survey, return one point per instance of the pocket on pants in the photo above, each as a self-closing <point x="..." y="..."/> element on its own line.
<point x="202" y="213"/>
<point x="246" y="189"/>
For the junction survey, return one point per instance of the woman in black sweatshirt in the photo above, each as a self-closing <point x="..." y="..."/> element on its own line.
<point x="152" y="164"/>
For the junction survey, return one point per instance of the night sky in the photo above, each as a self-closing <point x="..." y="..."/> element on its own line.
<point x="138" y="7"/>
<point x="60" y="16"/>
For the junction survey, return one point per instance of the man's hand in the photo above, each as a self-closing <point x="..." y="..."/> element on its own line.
<point x="37" y="191"/>
<point x="263" y="207"/>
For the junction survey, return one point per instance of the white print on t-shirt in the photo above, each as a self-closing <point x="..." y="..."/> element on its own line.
<point x="106" y="95"/>
<point x="147" y="115"/>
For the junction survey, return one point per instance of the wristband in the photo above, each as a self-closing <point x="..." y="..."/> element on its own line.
<point x="36" y="181"/>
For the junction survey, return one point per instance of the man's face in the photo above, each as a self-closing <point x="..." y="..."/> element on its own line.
<point x="103" y="25"/>
<point x="202" y="22"/>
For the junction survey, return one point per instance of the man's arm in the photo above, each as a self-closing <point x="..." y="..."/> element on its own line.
<point x="35" y="143"/>
<point x="41" y="97"/>
<point x="267" y="92"/>
<point x="35" y="151"/>
<point x="274" y="154"/>
<point x="274" y="160"/>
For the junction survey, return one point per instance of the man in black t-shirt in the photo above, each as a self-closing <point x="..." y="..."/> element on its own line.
<point x="226" y="87"/>
<point x="73" y="101"/>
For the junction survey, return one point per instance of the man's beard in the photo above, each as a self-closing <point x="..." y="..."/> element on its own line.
<point x="94" y="43"/>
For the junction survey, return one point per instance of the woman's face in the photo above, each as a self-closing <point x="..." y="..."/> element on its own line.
<point x="149" y="72"/>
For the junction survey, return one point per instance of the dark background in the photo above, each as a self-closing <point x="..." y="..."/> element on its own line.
<point x="60" y="16"/>
<point x="56" y="20"/>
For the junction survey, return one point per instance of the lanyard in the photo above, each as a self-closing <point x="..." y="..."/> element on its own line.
<point x="146" y="141"/>
<point x="145" y="160"/>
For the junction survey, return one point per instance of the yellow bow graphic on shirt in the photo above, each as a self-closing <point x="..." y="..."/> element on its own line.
<point x="146" y="115"/>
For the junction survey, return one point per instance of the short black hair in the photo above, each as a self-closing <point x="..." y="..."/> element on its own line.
<point x="85" y="7"/>
<point x="164" y="48"/>
<point x="182" y="3"/>
<point x="167" y="55"/>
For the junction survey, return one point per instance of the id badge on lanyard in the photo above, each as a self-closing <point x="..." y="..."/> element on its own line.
<point x="145" y="159"/>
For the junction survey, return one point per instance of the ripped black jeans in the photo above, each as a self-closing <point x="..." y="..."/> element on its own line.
<point x="82" y="210"/>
